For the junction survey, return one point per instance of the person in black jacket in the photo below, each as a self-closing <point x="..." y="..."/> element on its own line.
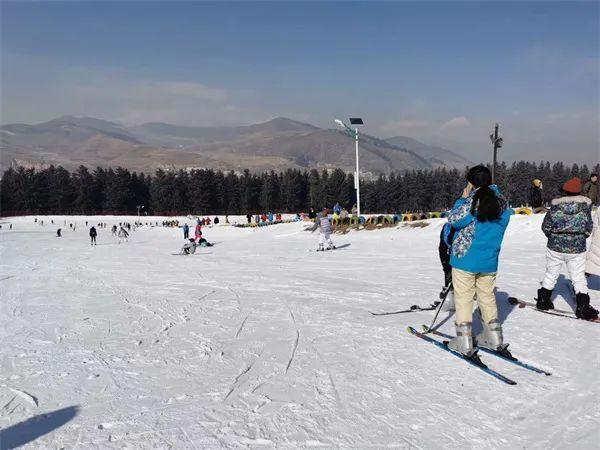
<point x="445" y="245"/>
<point x="93" y="234"/>
<point x="536" y="197"/>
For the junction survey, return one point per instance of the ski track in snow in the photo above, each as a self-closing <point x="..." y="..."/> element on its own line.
<point x="260" y="343"/>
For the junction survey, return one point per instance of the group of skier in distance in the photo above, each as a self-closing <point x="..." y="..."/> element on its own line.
<point x="470" y="245"/>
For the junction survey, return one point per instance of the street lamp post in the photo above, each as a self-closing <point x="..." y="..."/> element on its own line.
<point x="356" y="122"/>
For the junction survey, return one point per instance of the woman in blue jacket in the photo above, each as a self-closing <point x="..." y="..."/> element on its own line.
<point x="479" y="218"/>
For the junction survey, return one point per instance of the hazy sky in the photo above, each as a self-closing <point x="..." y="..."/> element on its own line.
<point x="442" y="72"/>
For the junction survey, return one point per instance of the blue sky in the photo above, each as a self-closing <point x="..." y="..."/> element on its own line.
<point x="442" y="72"/>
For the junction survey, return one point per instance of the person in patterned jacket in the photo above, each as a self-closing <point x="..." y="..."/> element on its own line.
<point x="479" y="219"/>
<point x="567" y="226"/>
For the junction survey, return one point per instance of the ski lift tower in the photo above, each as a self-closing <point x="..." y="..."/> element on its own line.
<point x="497" y="143"/>
<point x="354" y="122"/>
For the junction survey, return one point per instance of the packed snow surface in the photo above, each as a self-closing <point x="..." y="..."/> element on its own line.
<point x="260" y="341"/>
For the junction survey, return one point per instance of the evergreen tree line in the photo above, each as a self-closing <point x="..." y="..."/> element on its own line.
<point x="55" y="190"/>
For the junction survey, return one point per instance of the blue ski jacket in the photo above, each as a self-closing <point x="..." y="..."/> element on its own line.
<point x="476" y="245"/>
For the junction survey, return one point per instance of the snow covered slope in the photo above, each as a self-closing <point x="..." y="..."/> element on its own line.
<point x="259" y="341"/>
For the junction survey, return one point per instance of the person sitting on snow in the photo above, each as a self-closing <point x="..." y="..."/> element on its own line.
<point x="567" y="226"/>
<point x="204" y="243"/>
<point x="189" y="248"/>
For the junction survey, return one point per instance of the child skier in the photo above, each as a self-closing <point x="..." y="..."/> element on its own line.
<point x="324" y="225"/>
<point x="480" y="219"/>
<point x="198" y="231"/>
<point x="123" y="234"/>
<point x="567" y="226"/>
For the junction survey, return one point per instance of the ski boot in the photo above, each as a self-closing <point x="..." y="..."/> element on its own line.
<point x="331" y="247"/>
<point x="491" y="338"/>
<point x="584" y="310"/>
<point x="543" y="300"/>
<point x="321" y="248"/>
<point x="463" y="342"/>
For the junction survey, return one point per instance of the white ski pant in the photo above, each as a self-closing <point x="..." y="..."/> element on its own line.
<point x="575" y="266"/>
<point x="325" y="237"/>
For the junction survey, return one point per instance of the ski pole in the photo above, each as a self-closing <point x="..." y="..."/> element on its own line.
<point x="448" y="289"/>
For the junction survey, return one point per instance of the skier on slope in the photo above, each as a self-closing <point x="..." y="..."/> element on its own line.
<point x="93" y="234"/>
<point x="114" y="230"/>
<point x="198" y="231"/>
<point x="123" y="234"/>
<point x="567" y="226"/>
<point x="189" y="248"/>
<point x="479" y="219"/>
<point x="186" y="231"/>
<point x="324" y="225"/>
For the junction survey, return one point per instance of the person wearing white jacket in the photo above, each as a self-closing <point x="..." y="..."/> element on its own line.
<point x="323" y="223"/>
<point x="593" y="257"/>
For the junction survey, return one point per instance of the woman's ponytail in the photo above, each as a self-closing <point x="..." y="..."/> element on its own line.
<point x="486" y="205"/>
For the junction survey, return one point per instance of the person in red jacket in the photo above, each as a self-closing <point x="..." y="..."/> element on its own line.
<point x="198" y="231"/>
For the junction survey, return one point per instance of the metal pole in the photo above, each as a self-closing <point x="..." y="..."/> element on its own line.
<point x="495" y="153"/>
<point x="357" y="176"/>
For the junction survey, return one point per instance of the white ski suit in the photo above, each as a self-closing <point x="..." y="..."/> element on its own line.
<point x="324" y="232"/>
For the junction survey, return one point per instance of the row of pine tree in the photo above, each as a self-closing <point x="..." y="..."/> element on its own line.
<point x="54" y="190"/>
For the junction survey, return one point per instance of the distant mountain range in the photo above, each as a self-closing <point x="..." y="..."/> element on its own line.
<point x="277" y="144"/>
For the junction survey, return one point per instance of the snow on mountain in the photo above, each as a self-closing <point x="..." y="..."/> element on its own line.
<point x="258" y="341"/>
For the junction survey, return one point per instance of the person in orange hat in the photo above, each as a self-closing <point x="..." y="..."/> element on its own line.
<point x="567" y="226"/>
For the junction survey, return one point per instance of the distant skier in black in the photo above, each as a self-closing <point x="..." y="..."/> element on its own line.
<point x="114" y="230"/>
<point x="446" y="237"/>
<point x="93" y="234"/>
<point x="58" y="233"/>
<point x="216" y="221"/>
<point x="312" y="215"/>
<point x="249" y="217"/>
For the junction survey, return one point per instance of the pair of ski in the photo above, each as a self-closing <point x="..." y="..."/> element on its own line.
<point x="552" y="312"/>
<point x="475" y="361"/>
<point x="413" y="308"/>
